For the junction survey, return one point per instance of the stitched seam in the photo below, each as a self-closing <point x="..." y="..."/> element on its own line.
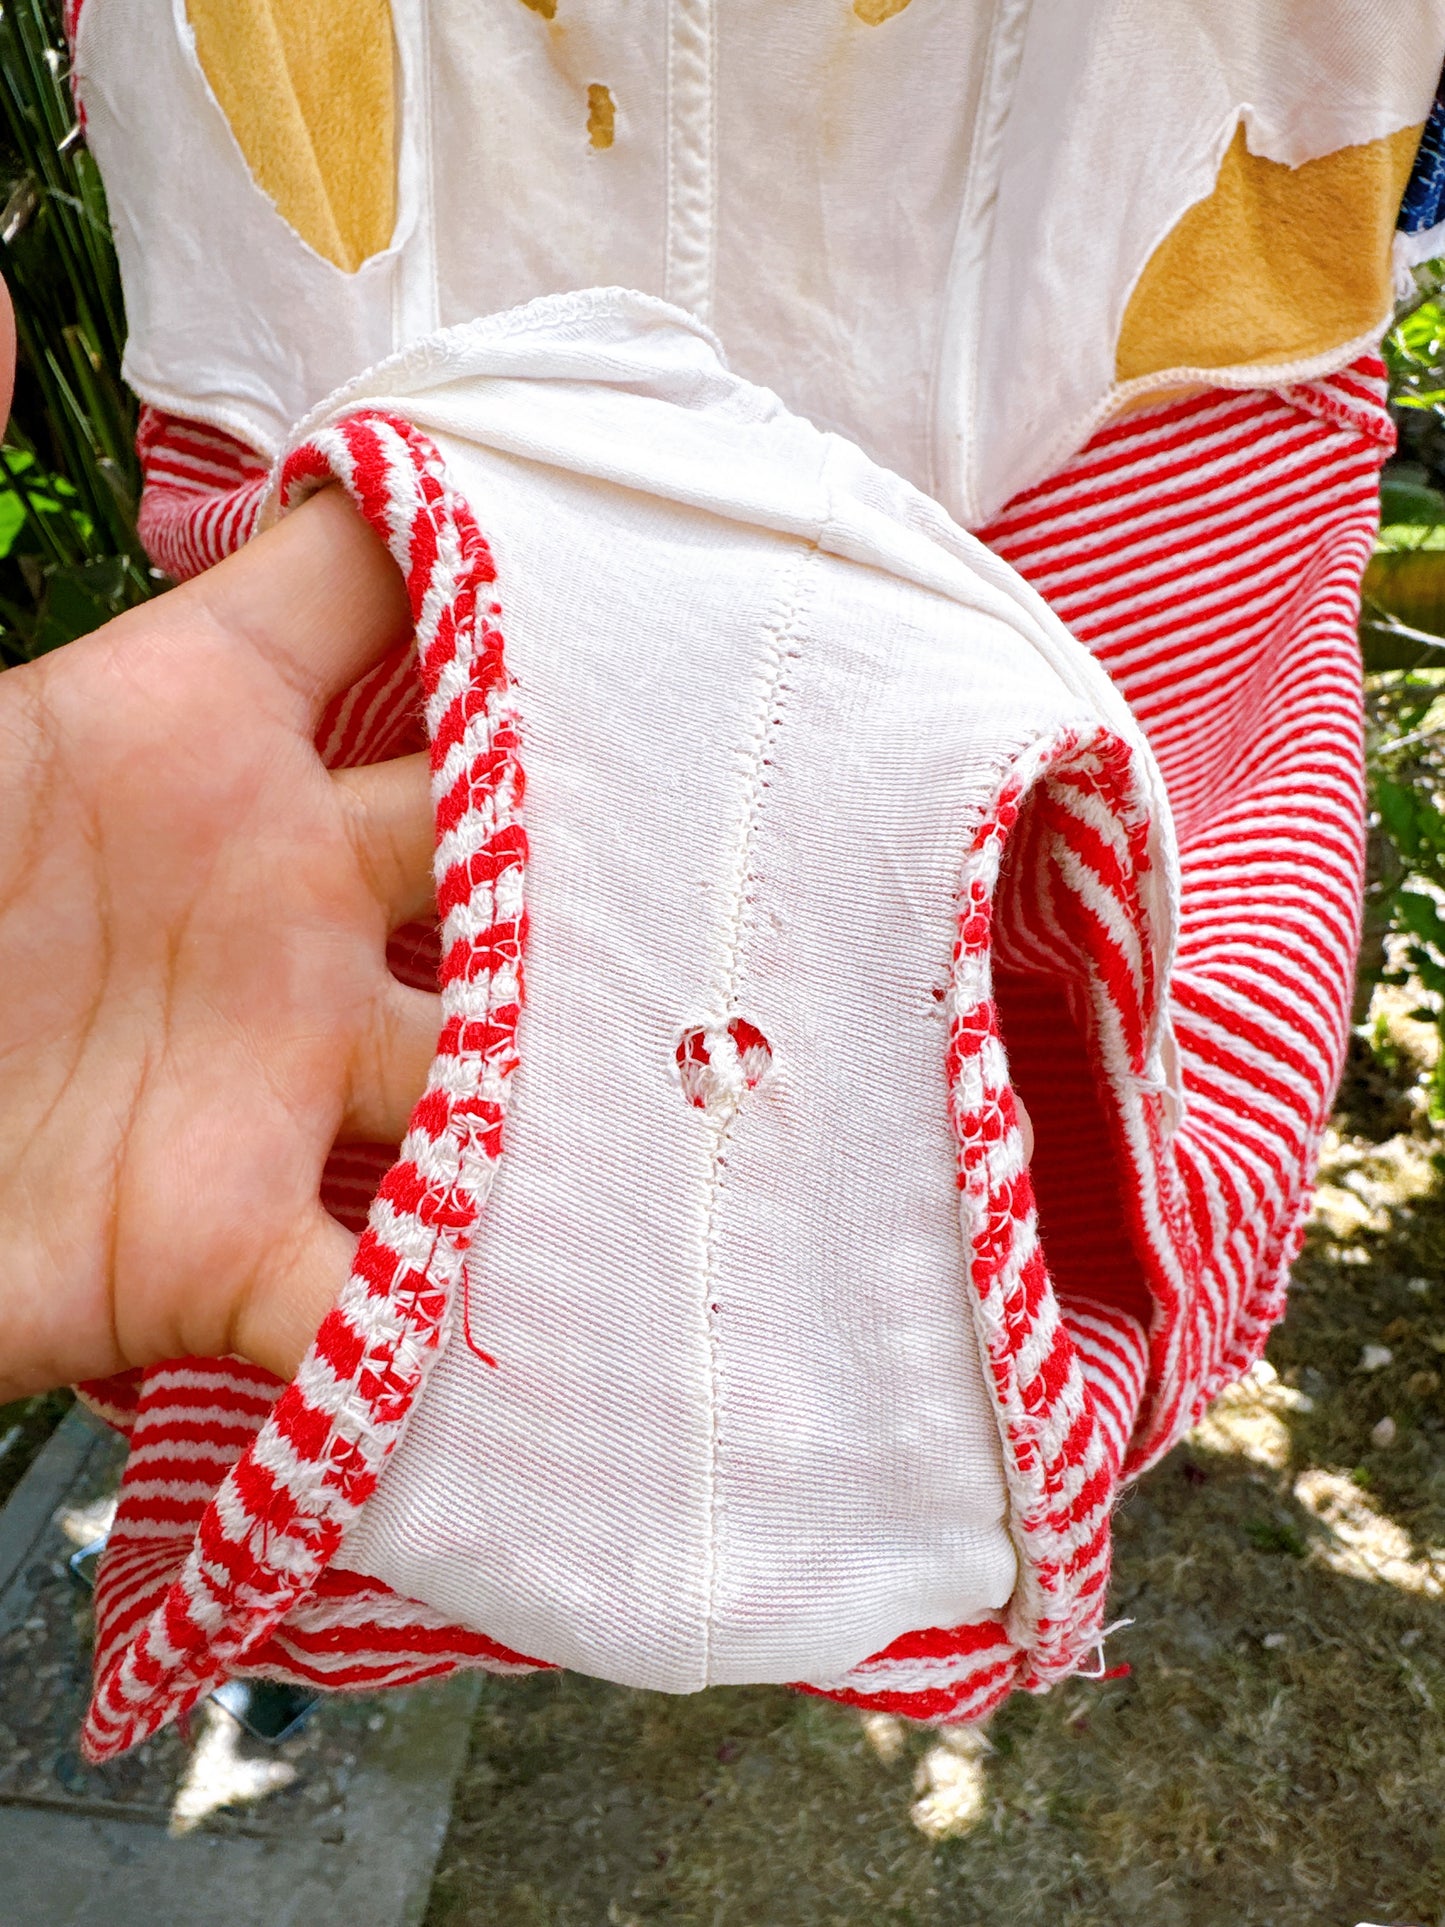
<point x="416" y="258"/>
<point x="783" y="633"/>
<point x="691" y="157"/>
<point x="954" y="379"/>
<point x="670" y="110"/>
<point x="282" y="1528"/>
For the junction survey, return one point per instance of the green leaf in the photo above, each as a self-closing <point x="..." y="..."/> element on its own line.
<point x="1421" y="336"/>
<point x="78" y="600"/>
<point x="1427" y="971"/>
<point x="1429" y="823"/>
<point x="1420" y="914"/>
<point x="33" y="495"/>
<point x="12" y="519"/>
<point x="1404" y="501"/>
<point x="1396" y="804"/>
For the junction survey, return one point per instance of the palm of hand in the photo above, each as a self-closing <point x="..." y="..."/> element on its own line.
<point x="196" y="1005"/>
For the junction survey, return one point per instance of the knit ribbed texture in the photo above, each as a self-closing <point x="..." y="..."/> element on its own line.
<point x="1210" y="553"/>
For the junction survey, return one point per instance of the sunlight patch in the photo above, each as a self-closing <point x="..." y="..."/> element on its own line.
<point x="217" y="1776"/>
<point x="84" y="1524"/>
<point x="884" y="1733"/>
<point x="1361" y="1542"/>
<point x="952" y="1785"/>
<point x="1247" y="1420"/>
<point x="1360" y="1187"/>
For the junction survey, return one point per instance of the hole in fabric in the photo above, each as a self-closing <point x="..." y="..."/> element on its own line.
<point x="716" y="1066"/>
<point x="601" y="114"/>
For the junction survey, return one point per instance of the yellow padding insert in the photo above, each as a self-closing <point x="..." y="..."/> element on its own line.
<point x="1279" y="263"/>
<point x="309" y="90"/>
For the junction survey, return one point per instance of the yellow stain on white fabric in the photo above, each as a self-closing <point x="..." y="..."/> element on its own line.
<point x="601" y="115"/>
<point x="1277" y="265"/>
<point x="309" y="89"/>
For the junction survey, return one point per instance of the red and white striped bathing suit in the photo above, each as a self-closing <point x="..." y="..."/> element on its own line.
<point x="1208" y="551"/>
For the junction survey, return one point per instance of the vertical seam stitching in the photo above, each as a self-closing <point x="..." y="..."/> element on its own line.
<point x="784" y="632"/>
<point x="954" y="377"/>
<point x="691" y="156"/>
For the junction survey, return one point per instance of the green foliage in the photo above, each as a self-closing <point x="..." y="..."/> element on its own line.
<point x="1271" y="1535"/>
<point x="1403" y="631"/>
<point x="1415" y="356"/>
<point x="31" y="492"/>
<point x="1403" y="623"/>
<point x="1410" y="506"/>
<point x="69" y="482"/>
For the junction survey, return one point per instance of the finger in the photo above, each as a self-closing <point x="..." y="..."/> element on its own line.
<point x="317" y="596"/>
<point x="1026" y="1131"/>
<point x="282" y="1309"/>
<point x="390" y="1066"/>
<point x="391" y="826"/>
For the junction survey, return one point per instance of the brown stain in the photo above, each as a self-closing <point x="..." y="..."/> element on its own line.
<point x="871" y="12"/>
<point x="601" y="114"/>
<point x="547" y="8"/>
<point x="308" y="89"/>
<point x="1276" y="264"/>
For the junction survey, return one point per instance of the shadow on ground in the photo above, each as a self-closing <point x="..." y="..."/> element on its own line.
<point x="1276" y="1757"/>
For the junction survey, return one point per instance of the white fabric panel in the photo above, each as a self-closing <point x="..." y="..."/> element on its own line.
<point x="738" y="1427"/>
<point x="835" y="233"/>
<point x="560" y="1503"/>
<point x="646" y="1488"/>
<point x="524" y="204"/>
<point x="855" y="1465"/>
<point x="639" y="396"/>
<point x="1117" y="118"/>
<point x="232" y="317"/>
<point x="922" y="234"/>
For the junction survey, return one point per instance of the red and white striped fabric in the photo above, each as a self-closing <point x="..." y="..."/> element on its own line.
<point x="255" y="1495"/>
<point x="203" y="490"/>
<point x="1210" y="553"/>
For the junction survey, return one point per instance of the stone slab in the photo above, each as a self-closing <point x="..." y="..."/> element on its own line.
<point x="342" y="1822"/>
<point x="78" y="1446"/>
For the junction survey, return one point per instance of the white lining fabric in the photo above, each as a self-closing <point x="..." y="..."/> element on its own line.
<point x="735" y="1426"/>
<point x="967" y="190"/>
<point x="630" y="390"/>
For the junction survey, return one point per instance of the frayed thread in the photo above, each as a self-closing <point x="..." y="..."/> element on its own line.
<point x="1098" y="1671"/>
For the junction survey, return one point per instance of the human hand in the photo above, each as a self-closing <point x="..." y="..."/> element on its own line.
<point x="194" y="998"/>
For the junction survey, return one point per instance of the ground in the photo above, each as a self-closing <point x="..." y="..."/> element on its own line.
<point x="1275" y="1758"/>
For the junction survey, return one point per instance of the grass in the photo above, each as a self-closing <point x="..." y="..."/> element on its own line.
<point x="1276" y="1757"/>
